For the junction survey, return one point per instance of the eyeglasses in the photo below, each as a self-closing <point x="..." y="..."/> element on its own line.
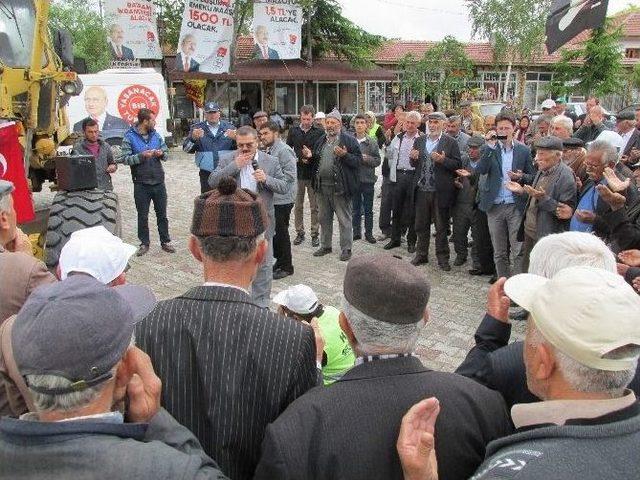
<point x="248" y="145"/>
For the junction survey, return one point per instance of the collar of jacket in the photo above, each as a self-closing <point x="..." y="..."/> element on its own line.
<point x="390" y="367"/>
<point x="32" y="431"/>
<point x="217" y="294"/>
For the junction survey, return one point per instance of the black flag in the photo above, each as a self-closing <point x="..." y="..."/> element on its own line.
<point x="570" y="17"/>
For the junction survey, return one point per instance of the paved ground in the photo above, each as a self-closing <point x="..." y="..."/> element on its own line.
<point x="457" y="299"/>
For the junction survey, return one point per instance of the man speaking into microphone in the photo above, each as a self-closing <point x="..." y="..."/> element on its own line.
<point x="261" y="173"/>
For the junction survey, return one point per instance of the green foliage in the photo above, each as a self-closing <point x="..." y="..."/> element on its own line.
<point x="448" y="60"/>
<point x="593" y="69"/>
<point x="635" y="76"/>
<point x="169" y="13"/>
<point x="516" y="28"/>
<point x="87" y="30"/>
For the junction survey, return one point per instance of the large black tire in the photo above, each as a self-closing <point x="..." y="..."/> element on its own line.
<point x="71" y="211"/>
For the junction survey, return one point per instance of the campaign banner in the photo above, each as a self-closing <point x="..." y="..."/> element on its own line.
<point x="205" y="36"/>
<point x="568" y="18"/>
<point x="132" y="29"/>
<point x="277" y="28"/>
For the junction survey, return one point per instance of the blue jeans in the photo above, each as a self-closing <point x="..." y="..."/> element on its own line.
<point x="363" y="203"/>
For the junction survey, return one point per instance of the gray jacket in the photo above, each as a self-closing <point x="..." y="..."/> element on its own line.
<point x="276" y="182"/>
<point x="287" y="158"/>
<point x="370" y="160"/>
<point x="103" y="160"/>
<point x="162" y="449"/>
<point x="586" y="450"/>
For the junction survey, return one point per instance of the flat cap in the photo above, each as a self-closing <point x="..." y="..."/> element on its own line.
<point x="386" y="288"/>
<point x="475" y="141"/>
<point x="572" y="142"/>
<point x="626" y="116"/>
<point x="437" y="116"/>
<point x="6" y="188"/>
<point x="549" y="143"/>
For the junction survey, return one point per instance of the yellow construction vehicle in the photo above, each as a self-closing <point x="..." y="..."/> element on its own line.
<point x="36" y="81"/>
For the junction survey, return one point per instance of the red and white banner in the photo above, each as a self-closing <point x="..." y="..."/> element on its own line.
<point x="132" y="29"/>
<point x="205" y="36"/>
<point x="12" y="170"/>
<point x="277" y="28"/>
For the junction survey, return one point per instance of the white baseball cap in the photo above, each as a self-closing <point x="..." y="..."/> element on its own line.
<point x="298" y="298"/>
<point x="548" y="103"/>
<point x="614" y="138"/>
<point x="96" y="252"/>
<point x="320" y="115"/>
<point x="584" y="312"/>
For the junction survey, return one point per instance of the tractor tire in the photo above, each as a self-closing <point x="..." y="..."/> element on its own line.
<point x="71" y="211"/>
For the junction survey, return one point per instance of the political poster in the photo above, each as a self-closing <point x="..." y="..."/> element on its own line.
<point x="205" y="36"/>
<point x="277" y="28"/>
<point x="132" y="30"/>
<point x="113" y="100"/>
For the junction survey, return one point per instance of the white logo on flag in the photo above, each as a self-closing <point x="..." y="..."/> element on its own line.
<point x="3" y="166"/>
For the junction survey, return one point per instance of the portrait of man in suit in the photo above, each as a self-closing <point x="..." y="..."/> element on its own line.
<point x="184" y="58"/>
<point x="261" y="49"/>
<point x="95" y="103"/>
<point x="116" y="40"/>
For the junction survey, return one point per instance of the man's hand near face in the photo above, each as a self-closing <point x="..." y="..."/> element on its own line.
<point x="243" y="159"/>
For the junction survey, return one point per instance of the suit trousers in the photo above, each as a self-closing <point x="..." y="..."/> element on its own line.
<point x="462" y="220"/>
<point x="306" y="185"/>
<point x="363" y="205"/>
<point x="261" y="285"/>
<point x="504" y="222"/>
<point x="527" y="246"/>
<point x="281" y="239"/>
<point x="143" y="195"/>
<point x="427" y="212"/>
<point x="403" y="217"/>
<point x="329" y="203"/>
<point x="386" y="205"/>
<point x="204" y="181"/>
<point x="482" y="250"/>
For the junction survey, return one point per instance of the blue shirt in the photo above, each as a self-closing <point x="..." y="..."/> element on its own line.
<point x="588" y="202"/>
<point x="213" y="127"/>
<point x="504" y="195"/>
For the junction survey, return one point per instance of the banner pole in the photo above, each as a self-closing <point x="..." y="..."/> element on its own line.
<point x="309" y="51"/>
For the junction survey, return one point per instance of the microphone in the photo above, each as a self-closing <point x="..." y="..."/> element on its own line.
<point x="254" y="164"/>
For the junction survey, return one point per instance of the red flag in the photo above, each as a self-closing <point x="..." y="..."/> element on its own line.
<point x="12" y="170"/>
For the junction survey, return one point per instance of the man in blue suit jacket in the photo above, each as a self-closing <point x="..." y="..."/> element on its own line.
<point x="503" y="159"/>
<point x="206" y="139"/>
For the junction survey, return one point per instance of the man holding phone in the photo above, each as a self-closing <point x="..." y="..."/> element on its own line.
<point x="144" y="150"/>
<point x="95" y="395"/>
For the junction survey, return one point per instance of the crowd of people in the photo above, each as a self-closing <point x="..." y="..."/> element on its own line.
<point x="99" y="380"/>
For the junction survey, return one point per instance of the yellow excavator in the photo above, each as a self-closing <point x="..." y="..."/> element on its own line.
<point x="36" y="81"/>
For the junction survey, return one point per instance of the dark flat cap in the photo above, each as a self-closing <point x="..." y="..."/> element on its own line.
<point x="437" y="116"/>
<point x="626" y="116"/>
<point x="549" y="143"/>
<point x="6" y="188"/>
<point x="386" y="288"/>
<point x="475" y="141"/>
<point x="572" y="142"/>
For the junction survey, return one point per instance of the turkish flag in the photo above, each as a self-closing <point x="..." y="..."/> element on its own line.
<point x="12" y="170"/>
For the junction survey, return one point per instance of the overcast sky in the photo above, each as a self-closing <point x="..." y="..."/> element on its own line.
<point x="421" y="19"/>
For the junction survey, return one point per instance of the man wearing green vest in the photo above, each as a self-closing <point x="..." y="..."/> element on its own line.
<point x="301" y="303"/>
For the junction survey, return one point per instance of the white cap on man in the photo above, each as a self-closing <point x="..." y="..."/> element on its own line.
<point x="299" y="299"/>
<point x="96" y="252"/>
<point x="586" y="313"/>
<point x="320" y="115"/>
<point x="548" y="104"/>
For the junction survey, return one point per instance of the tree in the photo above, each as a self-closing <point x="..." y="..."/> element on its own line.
<point x="443" y="70"/>
<point x="515" y="28"/>
<point x="331" y="32"/>
<point x="595" y="68"/>
<point x="87" y="30"/>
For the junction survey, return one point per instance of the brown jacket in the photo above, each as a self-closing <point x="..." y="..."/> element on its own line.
<point x="20" y="274"/>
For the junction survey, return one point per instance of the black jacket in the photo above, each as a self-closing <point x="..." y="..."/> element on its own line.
<point x="228" y="369"/>
<point x="624" y="227"/>
<point x="298" y="138"/>
<point x="444" y="173"/>
<point x="346" y="169"/>
<point x="498" y="364"/>
<point x="349" y="429"/>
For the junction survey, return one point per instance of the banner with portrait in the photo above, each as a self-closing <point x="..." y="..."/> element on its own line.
<point x="277" y="28"/>
<point x="132" y="31"/>
<point x="205" y="36"/>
